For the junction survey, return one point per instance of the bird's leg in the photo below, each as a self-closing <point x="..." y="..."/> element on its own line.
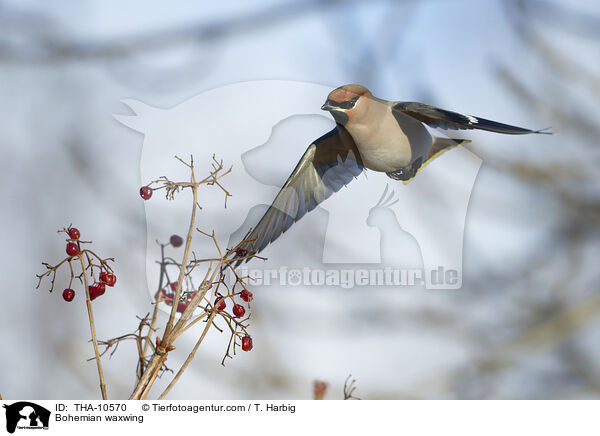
<point x="407" y="172"/>
<point x="397" y="175"/>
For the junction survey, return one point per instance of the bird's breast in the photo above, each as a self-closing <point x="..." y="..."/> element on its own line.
<point x="387" y="146"/>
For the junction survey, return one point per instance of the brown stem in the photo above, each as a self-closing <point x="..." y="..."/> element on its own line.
<point x="155" y="313"/>
<point x="150" y="329"/>
<point x="88" y="303"/>
<point x="140" y="369"/>
<point x="172" y="329"/>
<point x="143" y="386"/>
<point x="191" y="323"/>
<point x="154" y="366"/>
<point x="146" y="390"/>
<point x="190" y="356"/>
<point x="188" y="244"/>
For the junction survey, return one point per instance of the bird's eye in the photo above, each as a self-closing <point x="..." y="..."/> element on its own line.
<point x="348" y="104"/>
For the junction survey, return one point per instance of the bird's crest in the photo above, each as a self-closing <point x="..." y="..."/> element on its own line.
<point x="346" y="92"/>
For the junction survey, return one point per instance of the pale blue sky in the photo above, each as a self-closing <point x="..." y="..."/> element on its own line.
<point x="67" y="160"/>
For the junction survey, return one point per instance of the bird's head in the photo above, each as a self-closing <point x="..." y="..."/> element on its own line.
<point x="346" y="102"/>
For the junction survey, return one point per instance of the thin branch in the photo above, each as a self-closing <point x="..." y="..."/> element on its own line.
<point x="190" y="356"/>
<point x="88" y="303"/>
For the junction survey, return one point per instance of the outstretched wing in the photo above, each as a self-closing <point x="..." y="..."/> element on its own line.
<point x="436" y="117"/>
<point x="329" y="163"/>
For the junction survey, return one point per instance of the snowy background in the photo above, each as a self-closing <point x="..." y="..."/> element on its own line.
<point x="526" y="323"/>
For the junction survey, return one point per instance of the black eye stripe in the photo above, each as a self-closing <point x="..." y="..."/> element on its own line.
<point x="348" y="104"/>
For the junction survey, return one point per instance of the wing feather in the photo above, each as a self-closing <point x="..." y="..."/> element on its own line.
<point x="436" y="117"/>
<point x="329" y="163"/>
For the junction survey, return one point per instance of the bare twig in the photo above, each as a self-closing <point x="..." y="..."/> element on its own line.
<point x="349" y="388"/>
<point x="88" y="303"/>
<point x="190" y="356"/>
<point x="174" y="329"/>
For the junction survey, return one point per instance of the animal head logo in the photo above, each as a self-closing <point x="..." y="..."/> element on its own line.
<point x="261" y="128"/>
<point x="25" y="414"/>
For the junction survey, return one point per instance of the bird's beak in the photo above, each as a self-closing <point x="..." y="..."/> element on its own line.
<point x="330" y="106"/>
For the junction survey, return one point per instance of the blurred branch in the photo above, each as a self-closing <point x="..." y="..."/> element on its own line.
<point x="565" y="17"/>
<point x="523" y="18"/>
<point x="567" y="116"/>
<point x="547" y="334"/>
<point x="47" y="46"/>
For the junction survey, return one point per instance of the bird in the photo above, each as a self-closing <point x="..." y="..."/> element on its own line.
<point x="370" y="134"/>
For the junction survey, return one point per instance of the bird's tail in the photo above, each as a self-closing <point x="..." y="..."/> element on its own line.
<point x="439" y="147"/>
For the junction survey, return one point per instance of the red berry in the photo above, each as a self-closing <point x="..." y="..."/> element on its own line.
<point x="246" y="343"/>
<point x="93" y="291"/>
<point x="146" y="192"/>
<point x="173" y="286"/>
<point x="96" y="290"/>
<point x="176" y="240"/>
<point x="238" y="310"/>
<point x="74" y="233"/>
<point x="182" y="306"/>
<point x="72" y="249"/>
<point x="68" y="294"/>
<point x="246" y="296"/>
<point x="111" y="279"/>
<point x="241" y="252"/>
<point x="220" y="303"/>
<point x="108" y="278"/>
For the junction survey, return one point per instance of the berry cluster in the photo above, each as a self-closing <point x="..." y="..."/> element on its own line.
<point x="73" y="246"/>
<point x="90" y="262"/>
<point x="238" y="311"/>
<point x="95" y="275"/>
<point x="97" y="289"/>
<point x="237" y="318"/>
<point x="93" y="269"/>
<point x="169" y="296"/>
<point x="168" y="291"/>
